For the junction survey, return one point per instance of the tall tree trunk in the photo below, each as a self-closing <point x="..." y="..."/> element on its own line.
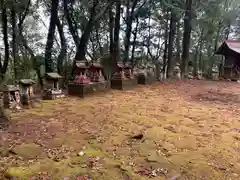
<point x="14" y="43"/>
<point x="186" y="37"/>
<point x="129" y="21"/>
<point x="5" y="39"/>
<point x="81" y="49"/>
<point x="23" y="42"/>
<point x="172" y="33"/>
<point x="99" y="41"/>
<point x="111" y="28"/>
<point x="116" y="50"/>
<point x="165" y="43"/>
<point x="71" y="22"/>
<point x="50" y="38"/>
<point x="178" y="55"/>
<point x="135" y="33"/>
<point x="63" y="52"/>
<point x="197" y="51"/>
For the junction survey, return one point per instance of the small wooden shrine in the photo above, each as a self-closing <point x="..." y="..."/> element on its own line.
<point x="26" y="89"/>
<point x="51" y="86"/>
<point x="11" y="97"/>
<point x="88" y="79"/>
<point x="230" y="49"/>
<point x="123" y="78"/>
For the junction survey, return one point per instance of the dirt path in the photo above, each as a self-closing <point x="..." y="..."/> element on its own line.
<point x="191" y="130"/>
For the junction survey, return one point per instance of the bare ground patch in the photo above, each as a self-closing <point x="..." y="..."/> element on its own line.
<point x="184" y="135"/>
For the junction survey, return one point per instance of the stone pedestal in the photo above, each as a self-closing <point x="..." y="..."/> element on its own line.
<point x="83" y="90"/>
<point x="146" y="79"/>
<point x="199" y="75"/>
<point x="177" y="72"/>
<point x="122" y="84"/>
<point x="215" y="73"/>
<point x="52" y="94"/>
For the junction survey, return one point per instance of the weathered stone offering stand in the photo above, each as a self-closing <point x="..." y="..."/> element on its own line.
<point x="27" y="95"/>
<point x="11" y="97"/>
<point x="88" y="80"/>
<point x="123" y="78"/>
<point x="147" y="75"/>
<point x="51" y="87"/>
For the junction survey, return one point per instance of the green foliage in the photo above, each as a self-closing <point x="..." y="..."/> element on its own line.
<point x="215" y="18"/>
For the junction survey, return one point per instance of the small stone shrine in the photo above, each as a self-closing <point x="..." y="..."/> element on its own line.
<point x="26" y="89"/>
<point x="177" y="71"/>
<point x="199" y="74"/>
<point x="123" y="78"/>
<point x="11" y="97"/>
<point x="88" y="79"/>
<point x="147" y="74"/>
<point x="51" y="86"/>
<point x="215" y="73"/>
<point x="190" y="70"/>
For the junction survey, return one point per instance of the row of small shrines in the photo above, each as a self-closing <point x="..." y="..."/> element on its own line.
<point x="87" y="79"/>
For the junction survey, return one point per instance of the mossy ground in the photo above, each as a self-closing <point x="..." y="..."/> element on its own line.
<point x="191" y="130"/>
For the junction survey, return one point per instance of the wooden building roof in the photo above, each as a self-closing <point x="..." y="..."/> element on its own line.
<point x="229" y="47"/>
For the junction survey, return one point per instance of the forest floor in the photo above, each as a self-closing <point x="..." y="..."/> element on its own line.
<point x="181" y="130"/>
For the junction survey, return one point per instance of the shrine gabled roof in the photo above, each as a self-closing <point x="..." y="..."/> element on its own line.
<point x="229" y="46"/>
<point x="97" y="65"/>
<point x="8" y="88"/>
<point x="81" y="64"/>
<point x="27" y="81"/>
<point x="128" y="65"/>
<point x="120" y="64"/>
<point x="53" y="75"/>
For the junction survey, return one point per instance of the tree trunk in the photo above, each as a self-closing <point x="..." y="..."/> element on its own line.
<point x="134" y="42"/>
<point x="5" y="39"/>
<point x="165" y="43"/>
<point x="129" y="22"/>
<point x="99" y="42"/>
<point x="50" y="38"/>
<point x="196" y="61"/>
<point x="178" y="55"/>
<point x="24" y="43"/>
<point x="116" y="53"/>
<point x="71" y="23"/>
<point x="14" y="43"/>
<point x="81" y="50"/>
<point x="172" y="33"/>
<point x="111" y="28"/>
<point x="63" y="51"/>
<point x="186" y="37"/>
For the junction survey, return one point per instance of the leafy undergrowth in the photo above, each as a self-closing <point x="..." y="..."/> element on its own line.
<point x="182" y="130"/>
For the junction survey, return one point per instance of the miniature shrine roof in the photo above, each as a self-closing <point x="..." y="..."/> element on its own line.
<point x="53" y="75"/>
<point x="81" y="64"/>
<point x="97" y="65"/>
<point x="120" y="64"/>
<point x="229" y="47"/>
<point x="27" y="81"/>
<point x="128" y="65"/>
<point x="124" y="65"/>
<point x="8" y="88"/>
